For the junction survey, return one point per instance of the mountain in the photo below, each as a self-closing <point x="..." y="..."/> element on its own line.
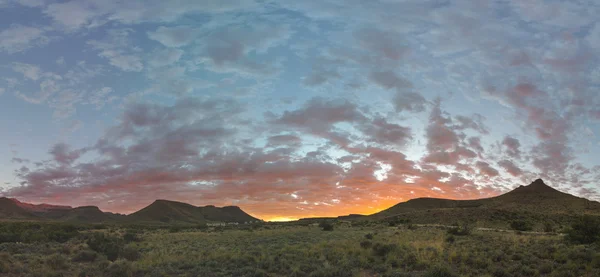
<point x="176" y="212"/>
<point x="160" y="211"/>
<point x="168" y="212"/>
<point x="10" y="209"/>
<point x="341" y="217"/>
<point x="39" y="207"/>
<point x="87" y="214"/>
<point x="226" y="214"/>
<point x="536" y="201"/>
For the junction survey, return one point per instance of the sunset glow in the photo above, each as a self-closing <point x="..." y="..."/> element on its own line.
<point x="294" y="109"/>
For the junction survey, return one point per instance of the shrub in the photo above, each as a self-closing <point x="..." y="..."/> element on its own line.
<point x="521" y="225"/>
<point x="130" y="253"/>
<point x="119" y="268"/>
<point x="586" y="230"/>
<point x="130" y="237"/>
<point x="366" y="244"/>
<point x="35" y="232"/>
<point x="382" y="250"/>
<point x="326" y="226"/>
<point x="462" y="230"/>
<point x="175" y="229"/>
<point x="440" y="271"/>
<point x="85" y="256"/>
<point x="5" y="262"/>
<point x="56" y="262"/>
<point x="369" y="236"/>
<point x="548" y="227"/>
<point x="108" y="245"/>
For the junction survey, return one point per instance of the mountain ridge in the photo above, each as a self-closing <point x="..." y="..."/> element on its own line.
<point x="536" y="201"/>
<point x="159" y="211"/>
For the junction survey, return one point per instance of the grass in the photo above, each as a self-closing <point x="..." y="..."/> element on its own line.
<point x="293" y="250"/>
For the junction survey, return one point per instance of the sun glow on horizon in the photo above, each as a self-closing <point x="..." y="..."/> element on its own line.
<point x="281" y="219"/>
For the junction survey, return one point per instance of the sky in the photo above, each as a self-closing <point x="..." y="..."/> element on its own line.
<point x="293" y="109"/>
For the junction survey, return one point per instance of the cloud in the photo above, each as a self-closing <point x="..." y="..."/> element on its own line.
<point x="174" y="36"/>
<point x="486" y="169"/>
<point x="512" y="146"/>
<point x="165" y="57"/>
<point x="389" y="80"/>
<point x="116" y="48"/>
<point x="73" y="15"/>
<point x="62" y="154"/>
<point x="510" y="167"/>
<point x="284" y="140"/>
<point x="30" y="71"/>
<point x="320" y="77"/>
<point x="383" y="44"/>
<point x="226" y="50"/>
<point x="593" y="37"/>
<point x="32" y="3"/>
<point x="18" y="38"/>
<point x="409" y="101"/>
<point x="404" y="99"/>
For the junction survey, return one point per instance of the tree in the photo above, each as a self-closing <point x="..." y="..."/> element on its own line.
<point x="326" y="226"/>
<point x="586" y="230"/>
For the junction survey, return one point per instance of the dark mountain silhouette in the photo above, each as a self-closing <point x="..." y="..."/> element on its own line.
<point x="88" y="214"/>
<point x="536" y="201"/>
<point x="168" y="212"/>
<point x="341" y="217"/>
<point x="160" y="211"/>
<point x="176" y="212"/>
<point x="226" y="214"/>
<point x="10" y="209"/>
<point x="39" y="207"/>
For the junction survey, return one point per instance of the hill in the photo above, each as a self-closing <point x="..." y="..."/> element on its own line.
<point x="9" y="209"/>
<point x="39" y="207"/>
<point x="166" y="211"/>
<point x="87" y="214"/>
<point x="537" y="202"/>
<point x="160" y="211"/>
<point x="226" y="214"/>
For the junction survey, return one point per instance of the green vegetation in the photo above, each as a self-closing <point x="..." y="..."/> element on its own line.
<point x="586" y="230"/>
<point x="27" y="232"/>
<point x="521" y="225"/>
<point x="326" y="226"/>
<point x="279" y="249"/>
<point x="496" y="237"/>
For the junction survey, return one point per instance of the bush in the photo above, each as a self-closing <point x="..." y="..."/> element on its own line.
<point x="326" y="226"/>
<point x="5" y="263"/>
<point x="36" y="232"/>
<point x="586" y="230"/>
<point x="548" y="227"/>
<point x="521" y="225"/>
<point x="440" y="271"/>
<point x="130" y="253"/>
<point x="85" y="256"/>
<point x="108" y="245"/>
<point x="366" y="244"/>
<point x="56" y="262"/>
<point x="130" y="237"/>
<point x="119" y="268"/>
<point x="462" y="230"/>
<point x="383" y="249"/>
